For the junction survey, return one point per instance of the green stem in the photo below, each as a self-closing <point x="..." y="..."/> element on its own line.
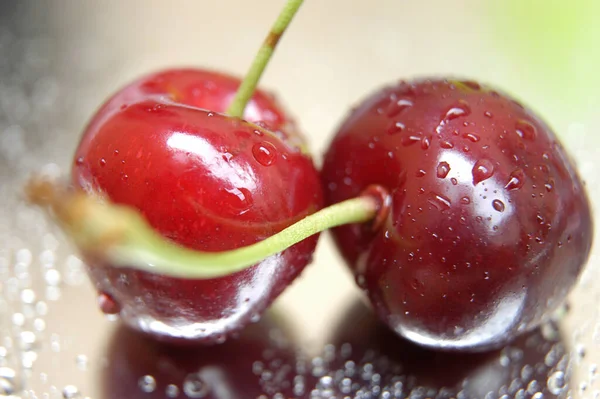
<point x="120" y="236"/>
<point x="146" y="250"/>
<point x="248" y="85"/>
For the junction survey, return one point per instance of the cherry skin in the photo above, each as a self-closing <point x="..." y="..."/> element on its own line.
<point x="203" y="180"/>
<point x="489" y="224"/>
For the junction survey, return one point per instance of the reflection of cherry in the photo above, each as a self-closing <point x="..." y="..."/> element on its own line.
<point x="367" y="359"/>
<point x="258" y="363"/>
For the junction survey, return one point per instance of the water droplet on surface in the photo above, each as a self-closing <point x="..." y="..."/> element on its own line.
<point x="516" y="180"/>
<point x="71" y="392"/>
<point x="525" y="130"/>
<point x="465" y="200"/>
<point x="8" y="382"/>
<point x="81" y="361"/>
<point x="488" y="114"/>
<point x="420" y="173"/>
<point x="102" y="162"/>
<point x="79" y="161"/>
<point x="556" y="383"/>
<point x="195" y="387"/>
<point x="443" y="169"/>
<point x="147" y="384"/>
<point x="107" y="304"/>
<point x="446" y="145"/>
<point x="172" y="391"/>
<point x="482" y="170"/>
<point x="264" y="153"/>
<point x="498" y="205"/>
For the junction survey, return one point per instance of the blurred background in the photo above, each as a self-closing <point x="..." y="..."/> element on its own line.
<point x="60" y="60"/>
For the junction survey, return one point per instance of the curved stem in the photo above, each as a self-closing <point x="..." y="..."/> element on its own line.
<point x="248" y="85"/>
<point x="121" y="236"/>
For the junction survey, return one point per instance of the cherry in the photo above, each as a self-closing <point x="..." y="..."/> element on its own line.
<point x="206" y="181"/>
<point x="489" y="224"/>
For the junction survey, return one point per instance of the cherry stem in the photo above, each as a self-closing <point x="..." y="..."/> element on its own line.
<point x="121" y="237"/>
<point x="248" y="85"/>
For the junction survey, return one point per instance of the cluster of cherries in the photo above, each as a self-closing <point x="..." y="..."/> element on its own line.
<point x="457" y="209"/>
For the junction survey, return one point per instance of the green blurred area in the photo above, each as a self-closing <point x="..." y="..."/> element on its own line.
<point x="555" y="47"/>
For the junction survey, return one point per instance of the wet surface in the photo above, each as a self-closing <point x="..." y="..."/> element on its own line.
<point x="60" y="60"/>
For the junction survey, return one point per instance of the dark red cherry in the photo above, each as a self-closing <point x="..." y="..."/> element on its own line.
<point x="203" y="180"/>
<point x="489" y="225"/>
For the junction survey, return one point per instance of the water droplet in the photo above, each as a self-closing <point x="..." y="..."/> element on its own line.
<point x="243" y="201"/>
<point x="465" y="200"/>
<point x="264" y="153"/>
<point x="102" y="162"/>
<point x="440" y="202"/>
<point x="471" y="137"/>
<point x="361" y="281"/>
<point x="516" y="180"/>
<point x="446" y="145"/>
<point x="556" y="383"/>
<point x="172" y="391"/>
<point x="471" y="84"/>
<point x="482" y="170"/>
<point x="488" y="114"/>
<point x="425" y="142"/>
<point x="147" y="383"/>
<point x="498" y="205"/>
<point x="420" y="173"/>
<point x="443" y="169"/>
<point x="79" y="161"/>
<point x="410" y="140"/>
<point x="71" y="392"/>
<point x="395" y="127"/>
<point x="8" y="381"/>
<point x="460" y="109"/>
<point x="28" y="296"/>
<point x="107" y="304"/>
<point x="525" y="130"/>
<point x="195" y="387"/>
<point x="397" y="106"/>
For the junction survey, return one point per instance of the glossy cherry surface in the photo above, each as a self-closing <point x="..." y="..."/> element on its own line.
<point x="206" y="181"/>
<point x="489" y="224"/>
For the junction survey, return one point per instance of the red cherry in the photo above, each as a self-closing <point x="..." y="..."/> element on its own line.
<point x="489" y="224"/>
<point x="206" y="181"/>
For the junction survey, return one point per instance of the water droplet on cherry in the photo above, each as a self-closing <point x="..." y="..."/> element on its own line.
<point x="441" y="202"/>
<point x="243" y="199"/>
<point x="525" y="130"/>
<point x="396" y="127"/>
<point x="498" y="205"/>
<point x="397" y="106"/>
<point x="516" y="180"/>
<point x="264" y="153"/>
<point x="472" y="137"/>
<point x="465" y="200"/>
<point x="482" y="170"/>
<point x="443" y="169"/>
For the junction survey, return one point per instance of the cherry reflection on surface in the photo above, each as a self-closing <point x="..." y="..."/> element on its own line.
<point x="367" y="360"/>
<point x="259" y="362"/>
